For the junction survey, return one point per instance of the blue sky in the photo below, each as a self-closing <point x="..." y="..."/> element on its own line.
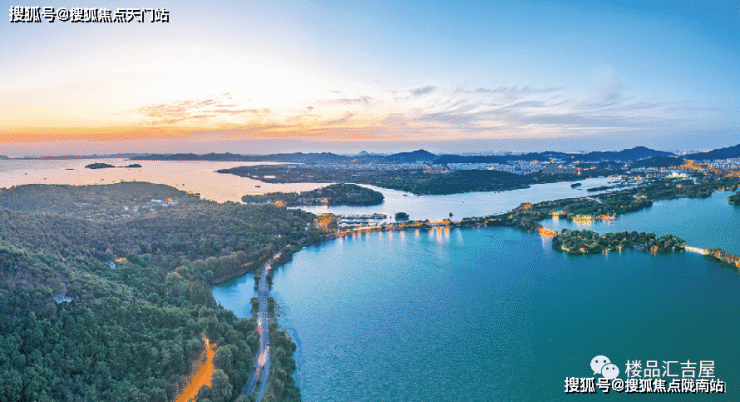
<point x="318" y="75"/>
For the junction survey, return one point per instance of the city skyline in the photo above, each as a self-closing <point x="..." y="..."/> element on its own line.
<point x="265" y="77"/>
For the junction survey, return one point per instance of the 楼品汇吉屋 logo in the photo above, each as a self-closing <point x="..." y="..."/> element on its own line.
<point x="672" y="376"/>
<point x="602" y="365"/>
<point x="598" y="362"/>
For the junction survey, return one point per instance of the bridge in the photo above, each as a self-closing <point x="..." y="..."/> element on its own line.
<point x="261" y="370"/>
<point x="696" y="250"/>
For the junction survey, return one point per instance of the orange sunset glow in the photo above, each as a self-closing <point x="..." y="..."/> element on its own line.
<point x="268" y="76"/>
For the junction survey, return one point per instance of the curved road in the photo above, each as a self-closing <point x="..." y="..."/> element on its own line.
<point x="262" y="360"/>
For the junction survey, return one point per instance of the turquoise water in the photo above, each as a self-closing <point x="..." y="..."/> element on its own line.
<point x="491" y="314"/>
<point x="710" y="222"/>
<point x="438" y="207"/>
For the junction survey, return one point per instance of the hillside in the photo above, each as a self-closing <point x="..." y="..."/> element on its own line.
<point x="113" y="308"/>
<point x="722" y="153"/>
<point x="334" y="194"/>
<point x="659" y="162"/>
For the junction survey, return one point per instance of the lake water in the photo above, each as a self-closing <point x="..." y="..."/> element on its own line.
<point x="198" y="177"/>
<point x="710" y="222"/>
<point x="474" y="314"/>
<point x="201" y="177"/>
<point x="491" y="314"/>
<point x="438" y="207"/>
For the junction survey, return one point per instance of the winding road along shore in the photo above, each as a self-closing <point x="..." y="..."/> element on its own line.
<point x="262" y="359"/>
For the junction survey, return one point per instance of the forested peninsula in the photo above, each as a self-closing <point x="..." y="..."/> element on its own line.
<point x="106" y="290"/>
<point x="415" y="181"/>
<point x="334" y="194"/>
<point x="606" y="205"/>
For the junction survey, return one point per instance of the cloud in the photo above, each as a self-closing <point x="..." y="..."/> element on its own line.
<point x="515" y="90"/>
<point x="343" y="119"/>
<point x="395" y="120"/>
<point x="429" y="111"/>
<point x="182" y="110"/>
<point x="512" y="93"/>
<point x="528" y="109"/>
<point x="423" y="90"/>
<point x="346" y="101"/>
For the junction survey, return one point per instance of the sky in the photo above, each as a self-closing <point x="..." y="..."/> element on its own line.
<point x="311" y="76"/>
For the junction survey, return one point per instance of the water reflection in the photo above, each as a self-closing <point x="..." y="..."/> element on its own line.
<point x="473" y="204"/>
<point x="198" y="177"/>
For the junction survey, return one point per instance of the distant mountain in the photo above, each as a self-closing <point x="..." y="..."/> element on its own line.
<point x="627" y="155"/>
<point x="722" y="153"/>
<point x="297" y="157"/>
<point x="168" y="157"/>
<point x="444" y="159"/>
<point x="300" y="157"/>
<point x="415" y="156"/>
<point x="659" y="162"/>
<point x="93" y="156"/>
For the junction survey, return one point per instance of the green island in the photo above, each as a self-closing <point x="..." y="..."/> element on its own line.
<point x="415" y="181"/>
<point x="734" y="199"/>
<point x="579" y="242"/>
<point x="602" y="207"/>
<point x="108" y="305"/>
<point x="334" y="194"/>
<point x="608" y="205"/>
<point x="100" y="165"/>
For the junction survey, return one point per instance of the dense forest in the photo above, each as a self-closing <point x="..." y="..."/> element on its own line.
<point x="414" y="181"/>
<point x="579" y="242"/>
<point x="114" y="306"/>
<point x="734" y="199"/>
<point x="659" y="162"/>
<point x="334" y="194"/>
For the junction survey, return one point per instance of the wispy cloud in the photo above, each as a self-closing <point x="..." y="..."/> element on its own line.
<point x="184" y="110"/>
<point x="364" y="100"/>
<point x="509" y="90"/>
<point x="521" y="110"/>
<point x="423" y="90"/>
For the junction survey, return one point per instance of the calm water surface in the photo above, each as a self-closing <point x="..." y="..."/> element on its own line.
<point x="199" y="177"/>
<point x="490" y="314"/>
<point x="476" y="314"/>
<point x="710" y="222"/>
<point x="438" y="207"/>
